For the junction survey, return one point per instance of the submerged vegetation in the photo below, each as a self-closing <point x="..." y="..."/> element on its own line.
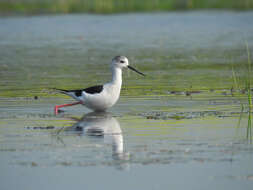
<point x="116" y="6"/>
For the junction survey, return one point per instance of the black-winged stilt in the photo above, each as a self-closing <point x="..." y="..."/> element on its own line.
<point x="100" y="97"/>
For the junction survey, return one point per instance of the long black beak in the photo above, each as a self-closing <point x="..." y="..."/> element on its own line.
<point x="129" y="67"/>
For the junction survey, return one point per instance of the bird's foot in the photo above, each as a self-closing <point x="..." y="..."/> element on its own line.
<point x="56" y="110"/>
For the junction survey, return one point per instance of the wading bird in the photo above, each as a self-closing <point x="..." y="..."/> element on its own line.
<point x="100" y="97"/>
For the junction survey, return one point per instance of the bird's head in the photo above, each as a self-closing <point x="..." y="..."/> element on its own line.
<point x="122" y="62"/>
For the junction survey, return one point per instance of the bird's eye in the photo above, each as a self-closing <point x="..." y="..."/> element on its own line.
<point x="122" y="61"/>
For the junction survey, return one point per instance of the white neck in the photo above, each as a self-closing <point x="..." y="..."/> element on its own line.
<point x="116" y="76"/>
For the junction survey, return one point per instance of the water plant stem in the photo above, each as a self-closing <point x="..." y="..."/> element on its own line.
<point x="249" y="97"/>
<point x="249" y="134"/>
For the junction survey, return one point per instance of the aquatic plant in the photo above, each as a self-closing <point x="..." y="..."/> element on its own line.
<point x="247" y="89"/>
<point x="249" y="133"/>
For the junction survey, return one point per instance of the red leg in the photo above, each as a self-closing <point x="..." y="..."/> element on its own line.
<point x="64" y="105"/>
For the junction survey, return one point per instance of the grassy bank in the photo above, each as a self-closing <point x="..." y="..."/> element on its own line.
<point x="116" y="6"/>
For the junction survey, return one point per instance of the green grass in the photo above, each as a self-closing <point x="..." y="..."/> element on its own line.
<point x="248" y="94"/>
<point x="249" y="133"/>
<point x="116" y="6"/>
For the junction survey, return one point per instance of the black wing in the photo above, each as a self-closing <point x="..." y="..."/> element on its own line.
<point x="93" y="89"/>
<point x="90" y="90"/>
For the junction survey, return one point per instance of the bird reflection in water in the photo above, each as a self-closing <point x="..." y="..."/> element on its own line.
<point x="101" y="124"/>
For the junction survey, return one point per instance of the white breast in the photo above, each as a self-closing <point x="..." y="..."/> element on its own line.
<point x="104" y="100"/>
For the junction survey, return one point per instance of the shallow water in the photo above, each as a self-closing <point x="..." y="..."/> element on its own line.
<point x="176" y="128"/>
<point x="126" y="148"/>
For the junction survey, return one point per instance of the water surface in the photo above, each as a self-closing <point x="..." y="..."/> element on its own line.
<point x="176" y="128"/>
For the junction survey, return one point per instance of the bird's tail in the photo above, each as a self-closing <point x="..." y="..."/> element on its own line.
<point x="61" y="90"/>
<point x="70" y="93"/>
